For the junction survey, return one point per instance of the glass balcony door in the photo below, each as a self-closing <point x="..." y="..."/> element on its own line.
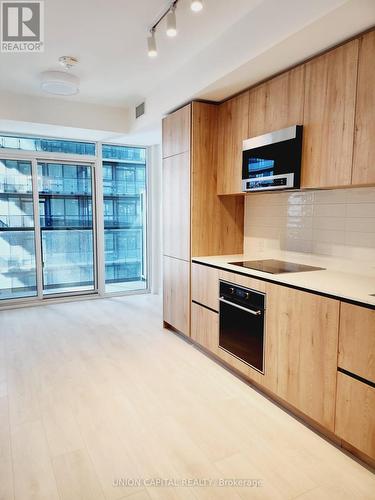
<point x="18" y="277"/>
<point x="67" y="222"/>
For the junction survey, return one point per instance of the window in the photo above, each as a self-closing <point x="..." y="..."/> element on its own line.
<point x="124" y="190"/>
<point x="49" y="145"/>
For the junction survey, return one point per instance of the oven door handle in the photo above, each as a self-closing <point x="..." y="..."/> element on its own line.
<point x="251" y="311"/>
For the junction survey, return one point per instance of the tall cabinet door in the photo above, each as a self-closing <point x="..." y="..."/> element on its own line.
<point x="330" y="95"/>
<point x="364" y="143"/>
<point x="176" y="206"/>
<point x="176" y="219"/>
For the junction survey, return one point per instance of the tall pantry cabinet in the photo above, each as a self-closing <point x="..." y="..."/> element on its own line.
<point x="196" y="221"/>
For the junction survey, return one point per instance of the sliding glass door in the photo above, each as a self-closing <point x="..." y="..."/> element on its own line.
<point x="51" y="243"/>
<point x="17" y="230"/>
<point x="67" y="227"/>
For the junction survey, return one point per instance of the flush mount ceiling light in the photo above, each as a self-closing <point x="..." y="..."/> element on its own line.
<point x="196" y="5"/>
<point x="171" y="30"/>
<point x="61" y="82"/>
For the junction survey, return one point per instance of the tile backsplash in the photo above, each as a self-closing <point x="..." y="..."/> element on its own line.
<point x="337" y="223"/>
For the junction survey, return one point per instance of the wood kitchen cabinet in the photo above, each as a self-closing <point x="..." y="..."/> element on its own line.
<point x="233" y="129"/>
<point x="176" y="206"/>
<point x="205" y="327"/>
<point x="357" y="341"/>
<point x="355" y="411"/>
<point x="304" y="331"/>
<point x="176" y="294"/>
<point x="330" y="99"/>
<point x="176" y="132"/>
<point x="205" y="285"/>
<point x="364" y="143"/>
<point x="196" y="222"/>
<point x="277" y="103"/>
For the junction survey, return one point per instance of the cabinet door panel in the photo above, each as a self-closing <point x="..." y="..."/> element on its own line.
<point x="176" y="294"/>
<point x="278" y="103"/>
<point x="205" y="327"/>
<point x="176" y="132"/>
<point x="330" y="94"/>
<point x="233" y="129"/>
<point x="205" y="285"/>
<point x="364" y="143"/>
<point x="305" y="329"/>
<point x="357" y="341"/>
<point x="355" y="410"/>
<point x="176" y="206"/>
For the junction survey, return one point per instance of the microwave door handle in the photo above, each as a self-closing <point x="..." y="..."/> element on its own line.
<point x="255" y="313"/>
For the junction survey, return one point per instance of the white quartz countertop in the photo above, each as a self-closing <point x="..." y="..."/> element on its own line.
<point x="340" y="278"/>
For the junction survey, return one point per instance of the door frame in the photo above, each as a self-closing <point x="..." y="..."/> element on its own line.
<point x="40" y="277"/>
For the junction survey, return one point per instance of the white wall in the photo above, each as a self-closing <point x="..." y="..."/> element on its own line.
<point x="54" y="111"/>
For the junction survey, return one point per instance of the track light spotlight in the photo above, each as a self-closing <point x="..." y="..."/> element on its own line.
<point x="196" y="5"/>
<point x="151" y="43"/>
<point x="171" y="23"/>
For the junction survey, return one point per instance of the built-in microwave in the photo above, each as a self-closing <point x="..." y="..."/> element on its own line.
<point x="272" y="161"/>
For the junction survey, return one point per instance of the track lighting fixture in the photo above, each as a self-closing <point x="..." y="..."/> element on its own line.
<point x="196" y="5"/>
<point x="171" y="30"/>
<point x="171" y="23"/>
<point x="151" y="43"/>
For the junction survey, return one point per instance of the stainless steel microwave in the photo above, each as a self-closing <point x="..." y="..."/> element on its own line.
<point x="272" y="161"/>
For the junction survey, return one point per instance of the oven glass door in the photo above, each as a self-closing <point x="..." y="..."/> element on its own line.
<point x="242" y="334"/>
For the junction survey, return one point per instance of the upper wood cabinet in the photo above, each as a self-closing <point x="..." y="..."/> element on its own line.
<point x="364" y="143"/>
<point x="330" y="95"/>
<point x="176" y="132"/>
<point x="233" y="129"/>
<point x="304" y="331"/>
<point x="176" y="206"/>
<point x="357" y="341"/>
<point x="277" y="103"/>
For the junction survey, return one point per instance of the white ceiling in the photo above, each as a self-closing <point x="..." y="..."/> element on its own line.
<point x="109" y="39"/>
<point x="230" y="45"/>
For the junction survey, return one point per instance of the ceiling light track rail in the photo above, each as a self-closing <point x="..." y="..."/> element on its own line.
<point x="165" y="13"/>
<point x="171" y="31"/>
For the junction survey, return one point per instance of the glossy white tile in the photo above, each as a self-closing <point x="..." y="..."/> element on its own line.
<point x="338" y="223"/>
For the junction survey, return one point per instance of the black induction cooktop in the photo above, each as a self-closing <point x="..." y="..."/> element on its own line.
<point x="276" y="266"/>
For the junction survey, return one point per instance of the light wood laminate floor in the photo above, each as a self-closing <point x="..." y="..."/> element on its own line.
<point x="96" y="391"/>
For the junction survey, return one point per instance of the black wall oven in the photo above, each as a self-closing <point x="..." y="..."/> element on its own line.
<point x="242" y="321"/>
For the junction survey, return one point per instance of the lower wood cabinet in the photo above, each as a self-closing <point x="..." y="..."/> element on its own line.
<point x="205" y="327"/>
<point x="205" y="285"/>
<point x="304" y="331"/>
<point x="307" y="336"/>
<point x="355" y="413"/>
<point x="357" y="341"/>
<point x="176" y="294"/>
